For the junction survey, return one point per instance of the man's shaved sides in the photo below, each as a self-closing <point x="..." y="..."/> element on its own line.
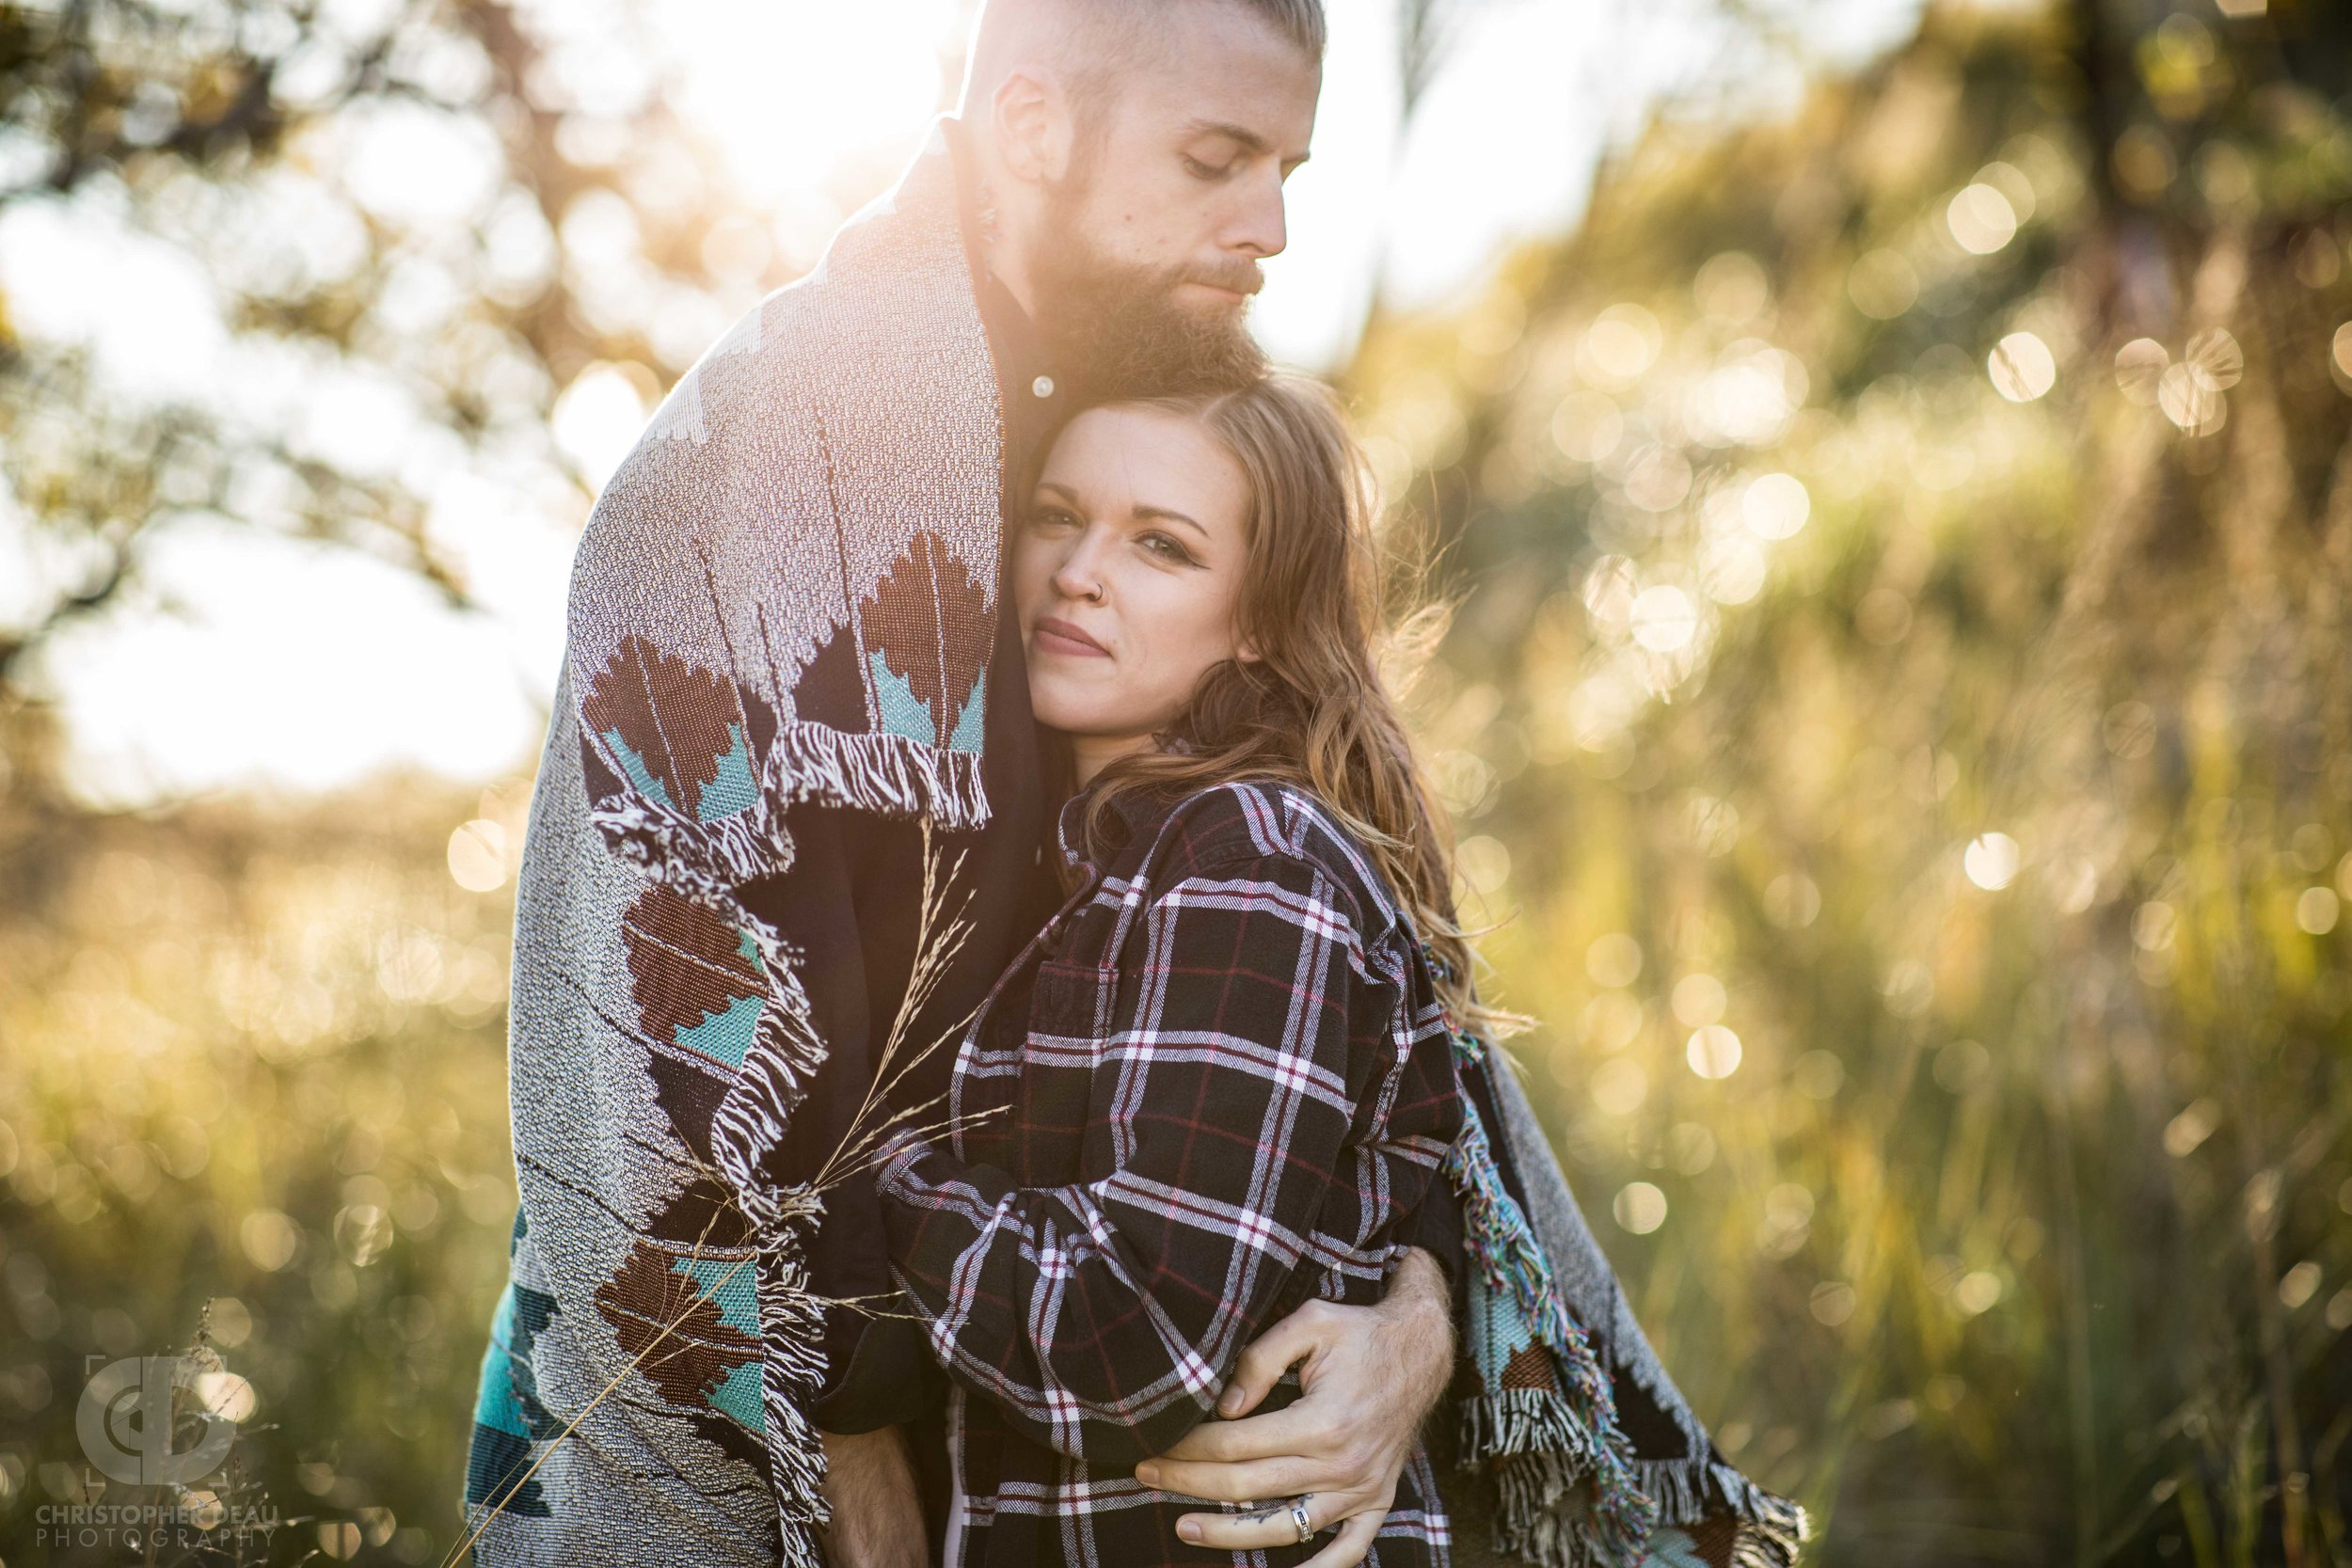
<point x="1090" y="45"/>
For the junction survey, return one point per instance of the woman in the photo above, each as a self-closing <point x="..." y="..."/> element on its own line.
<point x="1223" y="1076"/>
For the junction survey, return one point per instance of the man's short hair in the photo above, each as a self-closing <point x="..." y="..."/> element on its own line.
<point x="1097" y="43"/>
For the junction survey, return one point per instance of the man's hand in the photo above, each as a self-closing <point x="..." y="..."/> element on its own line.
<point x="1369" y="1376"/>
<point x="877" y="1514"/>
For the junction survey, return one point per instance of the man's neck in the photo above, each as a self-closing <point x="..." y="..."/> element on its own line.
<point x="1002" y="242"/>
<point x="1010" y="269"/>
<point x="1006" y="246"/>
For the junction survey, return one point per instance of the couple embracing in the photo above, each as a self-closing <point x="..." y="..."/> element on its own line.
<point x="995" y="1075"/>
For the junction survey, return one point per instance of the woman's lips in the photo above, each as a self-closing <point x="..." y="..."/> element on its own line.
<point x="1059" y="637"/>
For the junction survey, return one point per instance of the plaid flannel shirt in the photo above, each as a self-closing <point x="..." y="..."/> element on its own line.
<point x="1213" y="1087"/>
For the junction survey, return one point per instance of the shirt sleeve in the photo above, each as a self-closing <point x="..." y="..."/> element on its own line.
<point x="1436" y="1228"/>
<point x="1250" y="1110"/>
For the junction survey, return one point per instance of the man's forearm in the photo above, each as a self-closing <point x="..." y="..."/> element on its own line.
<point x="1369" y="1378"/>
<point x="1419" y="1309"/>
<point x="870" y="1491"/>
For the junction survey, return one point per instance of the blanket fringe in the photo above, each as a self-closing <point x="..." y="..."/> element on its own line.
<point x="792" y="1315"/>
<point x="1543" y="1443"/>
<point x="711" y="862"/>
<point x="707" y="861"/>
<point x="886" y="773"/>
<point x="1570" y="1491"/>
<point x="1519" y="1420"/>
<point x="1545" y="1504"/>
<point x="1770" y="1529"/>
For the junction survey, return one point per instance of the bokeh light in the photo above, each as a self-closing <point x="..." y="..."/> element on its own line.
<point x="1888" y="473"/>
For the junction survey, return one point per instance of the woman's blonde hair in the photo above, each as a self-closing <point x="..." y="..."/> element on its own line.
<point x="1314" y="708"/>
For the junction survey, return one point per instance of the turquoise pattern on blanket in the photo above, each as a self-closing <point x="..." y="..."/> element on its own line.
<point x="902" y="712"/>
<point x="725" y="1036"/>
<point x="972" y="721"/>
<point x="508" y="1400"/>
<point x="737" y="1395"/>
<point x="508" y="1418"/>
<point x="733" y="790"/>
<point x="641" y="778"/>
<point x="728" y="1286"/>
<point x="495" y="1405"/>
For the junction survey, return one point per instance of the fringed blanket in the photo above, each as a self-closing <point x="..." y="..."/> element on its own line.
<point x="785" y="594"/>
<point x="1555" y="1349"/>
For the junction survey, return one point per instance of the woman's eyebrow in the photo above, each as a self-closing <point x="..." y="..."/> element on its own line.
<point x="1064" y="491"/>
<point x="1165" y="514"/>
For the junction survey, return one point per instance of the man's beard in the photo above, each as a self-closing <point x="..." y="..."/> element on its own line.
<point x="1119" y="328"/>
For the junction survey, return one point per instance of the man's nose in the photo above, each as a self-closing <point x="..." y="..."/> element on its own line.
<point x="1259" y="226"/>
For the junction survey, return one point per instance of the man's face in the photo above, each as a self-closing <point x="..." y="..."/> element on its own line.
<point x="1174" y="197"/>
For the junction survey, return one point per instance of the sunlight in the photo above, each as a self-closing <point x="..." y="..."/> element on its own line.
<point x="791" y="92"/>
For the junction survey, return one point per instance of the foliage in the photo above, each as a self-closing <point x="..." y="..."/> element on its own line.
<point x="418" y="222"/>
<point x="1901" y="719"/>
<point x="256" y="1058"/>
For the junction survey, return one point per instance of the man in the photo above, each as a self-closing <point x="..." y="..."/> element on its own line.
<point x="788" y="822"/>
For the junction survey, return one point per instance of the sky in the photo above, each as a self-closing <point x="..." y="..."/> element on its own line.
<point x="208" y="696"/>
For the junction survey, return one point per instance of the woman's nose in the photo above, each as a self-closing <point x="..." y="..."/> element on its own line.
<point x="1079" y="576"/>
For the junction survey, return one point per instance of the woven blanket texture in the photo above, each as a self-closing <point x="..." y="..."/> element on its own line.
<point x="787" y="592"/>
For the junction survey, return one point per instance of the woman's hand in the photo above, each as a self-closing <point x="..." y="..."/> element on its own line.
<point x="877" y="1513"/>
<point x="1369" y="1376"/>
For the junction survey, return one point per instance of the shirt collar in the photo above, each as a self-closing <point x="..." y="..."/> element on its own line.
<point x="1022" y="361"/>
<point x="1138" y="813"/>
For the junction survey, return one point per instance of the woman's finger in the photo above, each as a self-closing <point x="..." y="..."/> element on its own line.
<point x="1270" y="1524"/>
<point x="1355" y="1538"/>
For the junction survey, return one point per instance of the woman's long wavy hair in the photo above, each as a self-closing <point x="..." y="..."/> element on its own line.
<point x="1316" y="708"/>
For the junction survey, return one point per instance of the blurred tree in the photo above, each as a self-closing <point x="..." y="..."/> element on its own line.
<point x="1901" y="707"/>
<point x="427" y="217"/>
<point x="253" y="1050"/>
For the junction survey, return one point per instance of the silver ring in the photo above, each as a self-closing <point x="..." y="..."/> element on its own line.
<point x="1299" y="1517"/>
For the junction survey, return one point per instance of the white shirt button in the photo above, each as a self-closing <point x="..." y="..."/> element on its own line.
<point x="1043" y="385"/>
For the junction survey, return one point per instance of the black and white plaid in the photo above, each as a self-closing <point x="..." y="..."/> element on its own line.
<point x="1213" y="1088"/>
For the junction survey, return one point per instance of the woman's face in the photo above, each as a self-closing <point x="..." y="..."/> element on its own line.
<point x="1126" y="575"/>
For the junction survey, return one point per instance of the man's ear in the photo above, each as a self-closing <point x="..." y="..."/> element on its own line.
<point x="1032" y="127"/>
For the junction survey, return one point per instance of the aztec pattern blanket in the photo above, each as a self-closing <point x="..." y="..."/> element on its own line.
<point x="786" y="593"/>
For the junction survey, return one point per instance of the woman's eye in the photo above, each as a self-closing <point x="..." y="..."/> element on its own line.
<point x="1046" y="517"/>
<point x="1167" y="548"/>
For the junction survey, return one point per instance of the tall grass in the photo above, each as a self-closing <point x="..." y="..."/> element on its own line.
<point x="1902" y="733"/>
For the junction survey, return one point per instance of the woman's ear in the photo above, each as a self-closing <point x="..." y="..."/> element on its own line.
<point x="1245" y="652"/>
